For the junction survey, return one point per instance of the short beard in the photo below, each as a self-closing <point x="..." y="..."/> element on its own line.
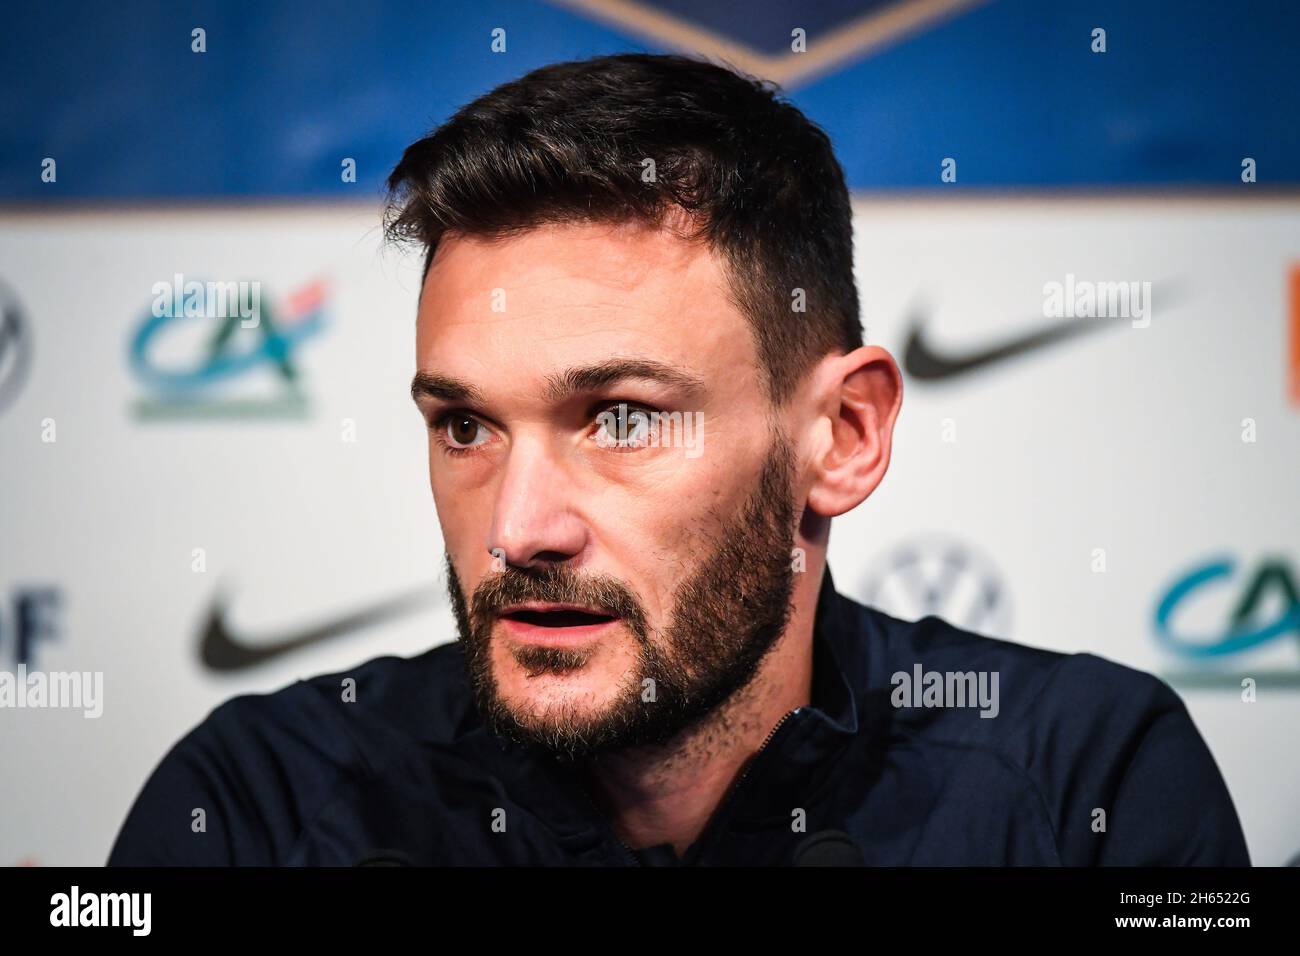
<point x="726" y="616"/>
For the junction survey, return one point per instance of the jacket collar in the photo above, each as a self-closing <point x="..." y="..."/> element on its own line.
<point x="839" y="660"/>
<point x="801" y="756"/>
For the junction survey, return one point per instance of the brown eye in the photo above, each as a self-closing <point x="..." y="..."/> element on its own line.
<point x="463" y="430"/>
<point x="625" y="426"/>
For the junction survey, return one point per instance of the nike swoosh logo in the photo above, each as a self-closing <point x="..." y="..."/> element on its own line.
<point x="925" y="363"/>
<point x="220" y="650"/>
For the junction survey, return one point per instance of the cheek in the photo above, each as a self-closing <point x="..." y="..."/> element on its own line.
<point x="658" y="539"/>
<point x="464" y="516"/>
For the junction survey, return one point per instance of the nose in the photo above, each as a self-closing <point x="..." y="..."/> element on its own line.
<point x="534" y="521"/>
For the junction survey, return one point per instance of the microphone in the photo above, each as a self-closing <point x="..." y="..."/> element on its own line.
<point x="829" y="848"/>
<point x="385" y="858"/>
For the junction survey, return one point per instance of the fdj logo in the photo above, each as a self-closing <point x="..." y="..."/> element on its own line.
<point x="1266" y="607"/>
<point x="206" y="362"/>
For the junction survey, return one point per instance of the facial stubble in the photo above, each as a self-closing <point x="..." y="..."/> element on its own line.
<point x="727" y="614"/>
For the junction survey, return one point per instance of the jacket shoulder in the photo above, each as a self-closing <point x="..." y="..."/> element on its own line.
<point x="241" y="785"/>
<point x="1031" y="682"/>
<point x="1112" y="753"/>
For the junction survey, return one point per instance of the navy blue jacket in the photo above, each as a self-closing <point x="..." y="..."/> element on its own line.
<point x="1086" y="763"/>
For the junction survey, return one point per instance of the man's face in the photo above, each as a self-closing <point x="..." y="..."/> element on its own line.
<point x="615" y="575"/>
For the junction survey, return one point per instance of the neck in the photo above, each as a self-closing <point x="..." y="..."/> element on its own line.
<point x="668" y="793"/>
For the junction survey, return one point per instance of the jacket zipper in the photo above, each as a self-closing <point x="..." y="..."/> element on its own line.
<point x="600" y="815"/>
<point x="731" y="791"/>
<point x="729" y="797"/>
<point x="724" y="802"/>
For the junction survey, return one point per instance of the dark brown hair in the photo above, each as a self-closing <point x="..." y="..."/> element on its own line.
<point x="757" y="180"/>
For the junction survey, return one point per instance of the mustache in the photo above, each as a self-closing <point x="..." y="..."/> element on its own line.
<point x="556" y="584"/>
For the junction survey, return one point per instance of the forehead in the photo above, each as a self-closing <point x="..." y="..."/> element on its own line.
<point x="570" y="294"/>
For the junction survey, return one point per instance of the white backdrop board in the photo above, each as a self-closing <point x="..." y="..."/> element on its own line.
<point x="1055" y="495"/>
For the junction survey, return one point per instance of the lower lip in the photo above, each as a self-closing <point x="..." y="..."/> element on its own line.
<point x="556" y="636"/>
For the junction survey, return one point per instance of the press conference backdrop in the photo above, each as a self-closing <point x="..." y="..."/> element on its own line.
<point x="195" y="516"/>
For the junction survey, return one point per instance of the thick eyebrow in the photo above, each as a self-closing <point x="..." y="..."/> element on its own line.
<point x="433" y="385"/>
<point x="591" y="378"/>
<point x="573" y="381"/>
